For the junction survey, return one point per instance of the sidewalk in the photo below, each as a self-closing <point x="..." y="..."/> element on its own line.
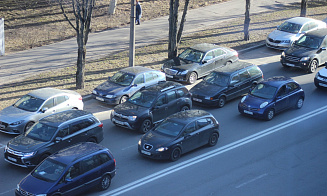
<point x="18" y="66"/>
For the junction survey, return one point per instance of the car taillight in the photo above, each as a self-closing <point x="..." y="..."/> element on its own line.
<point x="80" y="98"/>
<point x="115" y="162"/>
<point x="100" y="125"/>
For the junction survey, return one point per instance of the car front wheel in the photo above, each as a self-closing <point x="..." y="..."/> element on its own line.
<point x="146" y="126"/>
<point x="270" y="114"/>
<point x="175" y="154"/>
<point x="313" y="66"/>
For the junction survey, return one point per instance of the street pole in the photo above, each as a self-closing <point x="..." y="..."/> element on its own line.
<point x="132" y="35"/>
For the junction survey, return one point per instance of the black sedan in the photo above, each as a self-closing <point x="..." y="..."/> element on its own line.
<point x="178" y="134"/>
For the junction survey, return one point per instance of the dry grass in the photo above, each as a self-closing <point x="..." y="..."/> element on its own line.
<point x="228" y="34"/>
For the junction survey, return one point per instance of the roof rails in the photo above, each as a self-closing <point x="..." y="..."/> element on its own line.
<point x="167" y="88"/>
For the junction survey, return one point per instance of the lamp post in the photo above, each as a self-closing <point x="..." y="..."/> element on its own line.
<point x="132" y="35"/>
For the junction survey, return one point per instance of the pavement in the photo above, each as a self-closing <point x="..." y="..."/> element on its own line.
<point x="15" y="67"/>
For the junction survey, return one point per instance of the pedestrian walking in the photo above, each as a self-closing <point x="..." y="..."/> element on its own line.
<point x="138" y="13"/>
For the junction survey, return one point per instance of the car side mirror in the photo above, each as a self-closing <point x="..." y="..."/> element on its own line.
<point x="68" y="180"/>
<point x="323" y="48"/>
<point x="44" y="109"/>
<point x="204" y="61"/>
<point x="58" y="139"/>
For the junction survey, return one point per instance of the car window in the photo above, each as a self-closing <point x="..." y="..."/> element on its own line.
<point x="253" y="71"/>
<point x="79" y="125"/>
<point x="171" y="96"/>
<point x="191" y="55"/>
<point x="244" y="75"/>
<point x="139" y="79"/>
<point x="235" y="79"/>
<point x="264" y="91"/>
<point x="282" y="91"/>
<point x="149" y="76"/>
<point x="90" y="163"/>
<point x="29" y="103"/>
<point x="324" y="44"/>
<point x="292" y="86"/>
<point x="313" y="25"/>
<point x="143" y="98"/>
<point x="219" y="52"/>
<point x="190" y="128"/>
<point x="169" y="127"/>
<point x="210" y="55"/>
<point x="202" y="123"/>
<point x="73" y="171"/>
<point x="49" y="170"/>
<point x="306" y="27"/>
<point x="49" y="103"/>
<point x="181" y="92"/>
<point x="309" y="42"/>
<point x="63" y="132"/>
<point x="290" y="27"/>
<point x="161" y="100"/>
<point x="217" y="78"/>
<point x="41" y="132"/>
<point x="61" y="99"/>
<point x="124" y="79"/>
<point x="103" y="158"/>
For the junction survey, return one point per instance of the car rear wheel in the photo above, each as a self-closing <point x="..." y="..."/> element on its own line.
<point x="192" y="78"/>
<point x="270" y="114"/>
<point x="313" y="66"/>
<point x="213" y="139"/>
<point x="175" y="154"/>
<point x="221" y="101"/>
<point x="184" y="108"/>
<point x="123" y="99"/>
<point x="28" y="125"/>
<point x="299" y="103"/>
<point x="146" y="126"/>
<point x="105" y="182"/>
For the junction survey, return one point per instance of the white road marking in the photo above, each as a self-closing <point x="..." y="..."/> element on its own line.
<point x="133" y="146"/>
<point x="208" y="155"/>
<point x="5" y="193"/>
<point x="252" y="180"/>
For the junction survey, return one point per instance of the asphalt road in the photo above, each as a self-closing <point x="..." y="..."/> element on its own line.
<point x="285" y="156"/>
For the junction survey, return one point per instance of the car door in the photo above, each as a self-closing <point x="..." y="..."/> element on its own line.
<point x="150" y="78"/>
<point x="293" y="93"/>
<point x="138" y="83"/>
<point x="159" y="109"/>
<point x="190" y="137"/>
<point x="46" y="109"/>
<point x="245" y="82"/>
<point x="323" y="52"/>
<point x="220" y="58"/>
<point x="61" y="103"/>
<point x="61" y="140"/>
<point x="204" y="126"/>
<point x="91" y="171"/>
<point x="282" y="99"/>
<point x="208" y="63"/>
<point x="173" y="104"/>
<point x="233" y="87"/>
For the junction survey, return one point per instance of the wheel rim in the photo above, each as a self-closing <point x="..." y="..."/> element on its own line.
<point x="221" y="102"/>
<point x="270" y="114"/>
<point x="146" y="126"/>
<point x="300" y="103"/>
<point x="313" y="66"/>
<point x="123" y="99"/>
<point x="192" y="78"/>
<point x="105" y="182"/>
<point x="213" y="139"/>
<point x="176" y="154"/>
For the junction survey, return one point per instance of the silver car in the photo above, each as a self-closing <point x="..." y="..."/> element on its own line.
<point x="291" y="30"/>
<point x="19" y="117"/>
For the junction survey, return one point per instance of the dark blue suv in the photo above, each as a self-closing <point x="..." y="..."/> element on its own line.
<point x="71" y="172"/>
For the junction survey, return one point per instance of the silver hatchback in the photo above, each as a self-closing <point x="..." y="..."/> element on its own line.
<point x="19" y="117"/>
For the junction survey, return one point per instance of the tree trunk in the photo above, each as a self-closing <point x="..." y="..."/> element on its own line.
<point x="173" y="20"/>
<point x="112" y="7"/>
<point x="247" y="21"/>
<point x="181" y="27"/>
<point x="304" y="8"/>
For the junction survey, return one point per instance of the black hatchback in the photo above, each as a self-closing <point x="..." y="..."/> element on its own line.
<point x="178" y="134"/>
<point x="226" y="83"/>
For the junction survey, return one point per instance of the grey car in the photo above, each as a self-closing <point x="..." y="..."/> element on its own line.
<point x="20" y="116"/>
<point x="198" y="61"/>
<point x="123" y="84"/>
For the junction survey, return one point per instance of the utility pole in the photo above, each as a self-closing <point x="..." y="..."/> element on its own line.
<point x="132" y="35"/>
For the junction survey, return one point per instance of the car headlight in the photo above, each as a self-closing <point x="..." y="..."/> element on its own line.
<point x="183" y="72"/>
<point x="264" y="104"/>
<point x="161" y="149"/>
<point x="28" y="154"/>
<point x="94" y="92"/>
<point x="140" y="141"/>
<point x="132" y="118"/>
<point x="283" y="54"/>
<point x="110" y="96"/>
<point x="243" y="99"/>
<point x="17" y="122"/>
<point x="305" y="58"/>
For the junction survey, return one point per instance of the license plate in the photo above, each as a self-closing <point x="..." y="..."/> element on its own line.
<point x="248" y="112"/>
<point x="145" y="152"/>
<point x="12" y="159"/>
<point x="198" y="100"/>
<point x="289" y="64"/>
<point x="118" y="122"/>
<point x="99" y="98"/>
<point x="169" y="76"/>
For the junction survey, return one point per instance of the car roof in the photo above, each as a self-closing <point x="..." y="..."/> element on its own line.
<point x="231" y="68"/>
<point x="136" y="70"/>
<point x="318" y="33"/>
<point x="277" y="81"/>
<point x="45" y="93"/>
<point x="58" y="118"/>
<point x="163" y="86"/>
<point x="188" y="116"/>
<point x="205" y="47"/>
<point x="75" y="152"/>
<point x="301" y="20"/>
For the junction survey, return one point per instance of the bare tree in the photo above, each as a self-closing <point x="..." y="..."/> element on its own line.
<point x="174" y="36"/>
<point x="82" y="12"/>
<point x="247" y="21"/>
<point x="304" y="8"/>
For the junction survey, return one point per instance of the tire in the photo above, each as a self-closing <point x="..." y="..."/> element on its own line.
<point x="105" y="182"/>
<point x="146" y="126"/>
<point x="270" y="114"/>
<point x="184" y="108"/>
<point x="28" y="125"/>
<point x="123" y="99"/>
<point x="221" y="101"/>
<point x="313" y="66"/>
<point x="175" y="154"/>
<point x="299" y="103"/>
<point x="192" y="78"/>
<point x="213" y="139"/>
<point x="93" y="140"/>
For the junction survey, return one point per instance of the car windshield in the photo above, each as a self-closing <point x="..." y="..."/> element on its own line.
<point x="290" y="27"/>
<point x="309" y="42"/>
<point x="143" y="98"/>
<point x="217" y="78"/>
<point x="191" y="55"/>
<point x="29" y="103"/>
<point x="169" y="127"/>
<point x="49" y="170"/>
<point x="124" y="79"/>
<point x="41" y="132"/>
<point x="264" y="91"/>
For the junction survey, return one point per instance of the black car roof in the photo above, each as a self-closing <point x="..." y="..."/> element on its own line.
<point x="188" y="115"/>
<point x="205" y="47"/>
<point x="58" y="118"/>
<point x="163" y="86"/>
<point x="318" y="33"/>
<point x="136" y="70"/>
<point x="72" y="153"/>
<point x="231" y="68"/>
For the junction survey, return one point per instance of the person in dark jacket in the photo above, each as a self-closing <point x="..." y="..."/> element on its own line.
<point x="138" y="13"/>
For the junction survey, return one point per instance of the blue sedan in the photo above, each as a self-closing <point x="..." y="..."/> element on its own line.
<point x="272" y="96"/>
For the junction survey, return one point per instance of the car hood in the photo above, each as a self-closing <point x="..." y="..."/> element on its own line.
<point x="180" y="65"/>
<point x="323" y="72"/>
<point x="255" y="102"/>
<point x="127" y="108"/>
<point x="282" y="35"/>
<point x="156" y="140"/>
<point x="206" y="89"/>
<point x="299" y="51"/>
<point x="12" y="114"/>
<point x="22" y="143"/>
<point x="110" y="87"/>
<point x="29" y="182"/>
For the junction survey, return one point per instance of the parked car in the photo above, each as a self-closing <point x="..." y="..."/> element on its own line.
<point x="320" y="79"/>
<point x="291" y="30"/>
<point x="150" y="106"/>
<point x="308" y="52"/>
<point x="20" y="116"/>
<point x="123" y="84"/>
<point x="198" y="61"/>
<point x="51" y="134"/>
<point x="71" y="171"/>
<point x="272" y="96"/>
<point x="226" y="83"/>
<point x="178" y="134"/>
